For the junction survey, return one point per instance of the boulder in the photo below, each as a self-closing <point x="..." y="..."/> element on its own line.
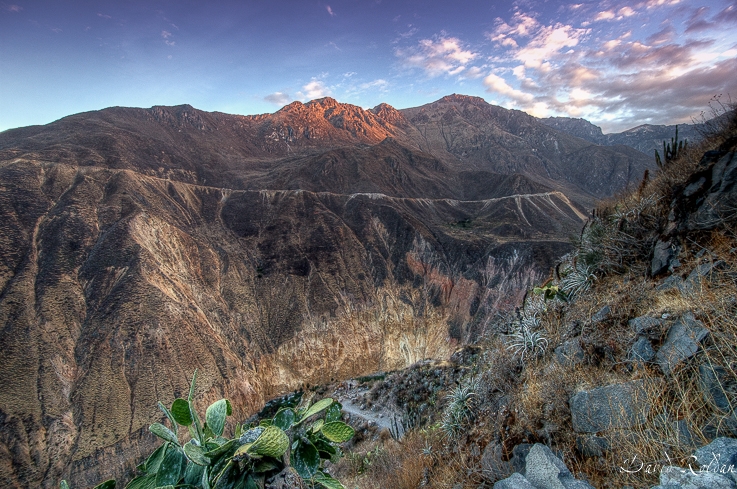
<point x="712" y="381"/>
<point x="601" y="315"/>
<point x="646" y="325"/>
<point x="664" y="254"/>
<point x="612" y="406"/>
<point x="570" y="353"/>
<point x="546" y="471"/>
<point x="591" y="445"/>
<point x="641" y="352"/>
<point x="514" y="481"/>
<point x="694" y="479"/>
<point x="681" y="343"/>
<point x="718" y="456"/>
<point x="492" y="464"/>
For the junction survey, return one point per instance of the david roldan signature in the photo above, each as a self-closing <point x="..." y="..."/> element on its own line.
<point x="715" y="465"/>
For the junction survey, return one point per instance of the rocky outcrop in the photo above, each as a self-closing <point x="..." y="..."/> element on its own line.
<point x="612" y="406"/>
<point x="543" y="470"/>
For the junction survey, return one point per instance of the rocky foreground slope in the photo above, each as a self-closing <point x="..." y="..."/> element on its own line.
<point x="322" y="241"/>
<point x="618" y="371"/>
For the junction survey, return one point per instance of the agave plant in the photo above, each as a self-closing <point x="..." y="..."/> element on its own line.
<point x="578" y="280"/>
<point x="461" y="407"/>
<point x="525" y="341"/>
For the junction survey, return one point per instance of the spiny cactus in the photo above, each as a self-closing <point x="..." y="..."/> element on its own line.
<point x="671" y="151"/>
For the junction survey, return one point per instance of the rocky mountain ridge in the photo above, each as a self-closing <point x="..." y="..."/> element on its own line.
<point x="268" y="251"/>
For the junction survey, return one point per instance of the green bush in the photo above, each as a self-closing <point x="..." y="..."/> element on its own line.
<point x="302" y="438"/>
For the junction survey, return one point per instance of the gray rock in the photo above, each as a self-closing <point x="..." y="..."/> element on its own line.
<point x="543" y="469"/>
<point x="664" y="253"/>
<point x="720" y="426"/>
<point x="641" y="352"/>
<point x="514" y="481"/>
<point x="646" y="325"/>
<point x="519" y="457"/>
<point x="712" y="380"/>
<point x="683" y="433"/>
<point x="612" y="406"/>
<point x="717" y="456"/>
<point x="591" y="445"/>
<point x="681" y="343"/>
<point x="601" y="315"/>
<point x="694" y="479"/>
<point x="672" y="282"/>
<point x="718" y="203"/>
<point x="492" y="464"/>
<point x="668" y="486"/>
<point x="698" y="274"/>
<point x="546" y="471"/>
<point x="570" y="353"/>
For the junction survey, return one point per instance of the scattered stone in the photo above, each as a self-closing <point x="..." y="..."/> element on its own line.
<point x="720" y="426"/>
<point x="515" y="481"/>
<point x="671" y="282"/>
<point x="683" y="433"/>
<point x="591" y="445"/>
<point x="646" y="325"/>
<point x="641" y="352"/>
<point x="712" y="381"/>
<point x="546" y="471"/>
<point x="570" y="353"/>
<point x="693" y="479"/>
<point x="602" y="315"/>
<point x="719" y="454"/>
<point x="612" y="406"/>
<point x="492" y="464"/>
<point x="519" y="457"/>
<point x="681" y="343"/>
<point x="664" y="254"/>
<point x="286" y="479"/>
<point x="694" y="279"/>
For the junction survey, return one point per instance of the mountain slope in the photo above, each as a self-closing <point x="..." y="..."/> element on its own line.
<point x="268" y="251"/>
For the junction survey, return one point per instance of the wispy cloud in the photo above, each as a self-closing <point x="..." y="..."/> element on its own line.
<point x="278" y="98"/>
<point x="637" y="73"/>
<point x="314" y="89"/>
<point x="104" y="16"/>
<point x="379" y="84"/>
<point x="166" y="36"/>
<point x="440" y="56"/>
<point x="330" y="10"/>
<point x="13" y="8"/>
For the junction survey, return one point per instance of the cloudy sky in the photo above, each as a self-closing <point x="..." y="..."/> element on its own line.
<point x="617" y="63"/>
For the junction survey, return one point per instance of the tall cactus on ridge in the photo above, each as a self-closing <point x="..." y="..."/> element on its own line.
<point x="671" y="151"/>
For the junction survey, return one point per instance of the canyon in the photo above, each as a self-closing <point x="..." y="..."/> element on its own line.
<point x="271" y="252"/>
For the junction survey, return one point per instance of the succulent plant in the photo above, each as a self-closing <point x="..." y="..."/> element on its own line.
<point x="305" y="437"/>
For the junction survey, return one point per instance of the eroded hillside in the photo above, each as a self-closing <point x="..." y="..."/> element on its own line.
<point x="269" y="251"/>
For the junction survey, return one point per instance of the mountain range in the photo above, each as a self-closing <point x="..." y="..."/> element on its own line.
<point x="270" y="252"/>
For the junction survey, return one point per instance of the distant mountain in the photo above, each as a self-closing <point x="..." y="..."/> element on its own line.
<point x="268" y="251"/>
<point x="645" y="138"/>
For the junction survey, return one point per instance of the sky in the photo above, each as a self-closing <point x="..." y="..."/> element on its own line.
<point x="616" y="63"/>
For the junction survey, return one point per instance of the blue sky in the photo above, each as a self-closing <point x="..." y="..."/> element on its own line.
<point x="616" y="63"/>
